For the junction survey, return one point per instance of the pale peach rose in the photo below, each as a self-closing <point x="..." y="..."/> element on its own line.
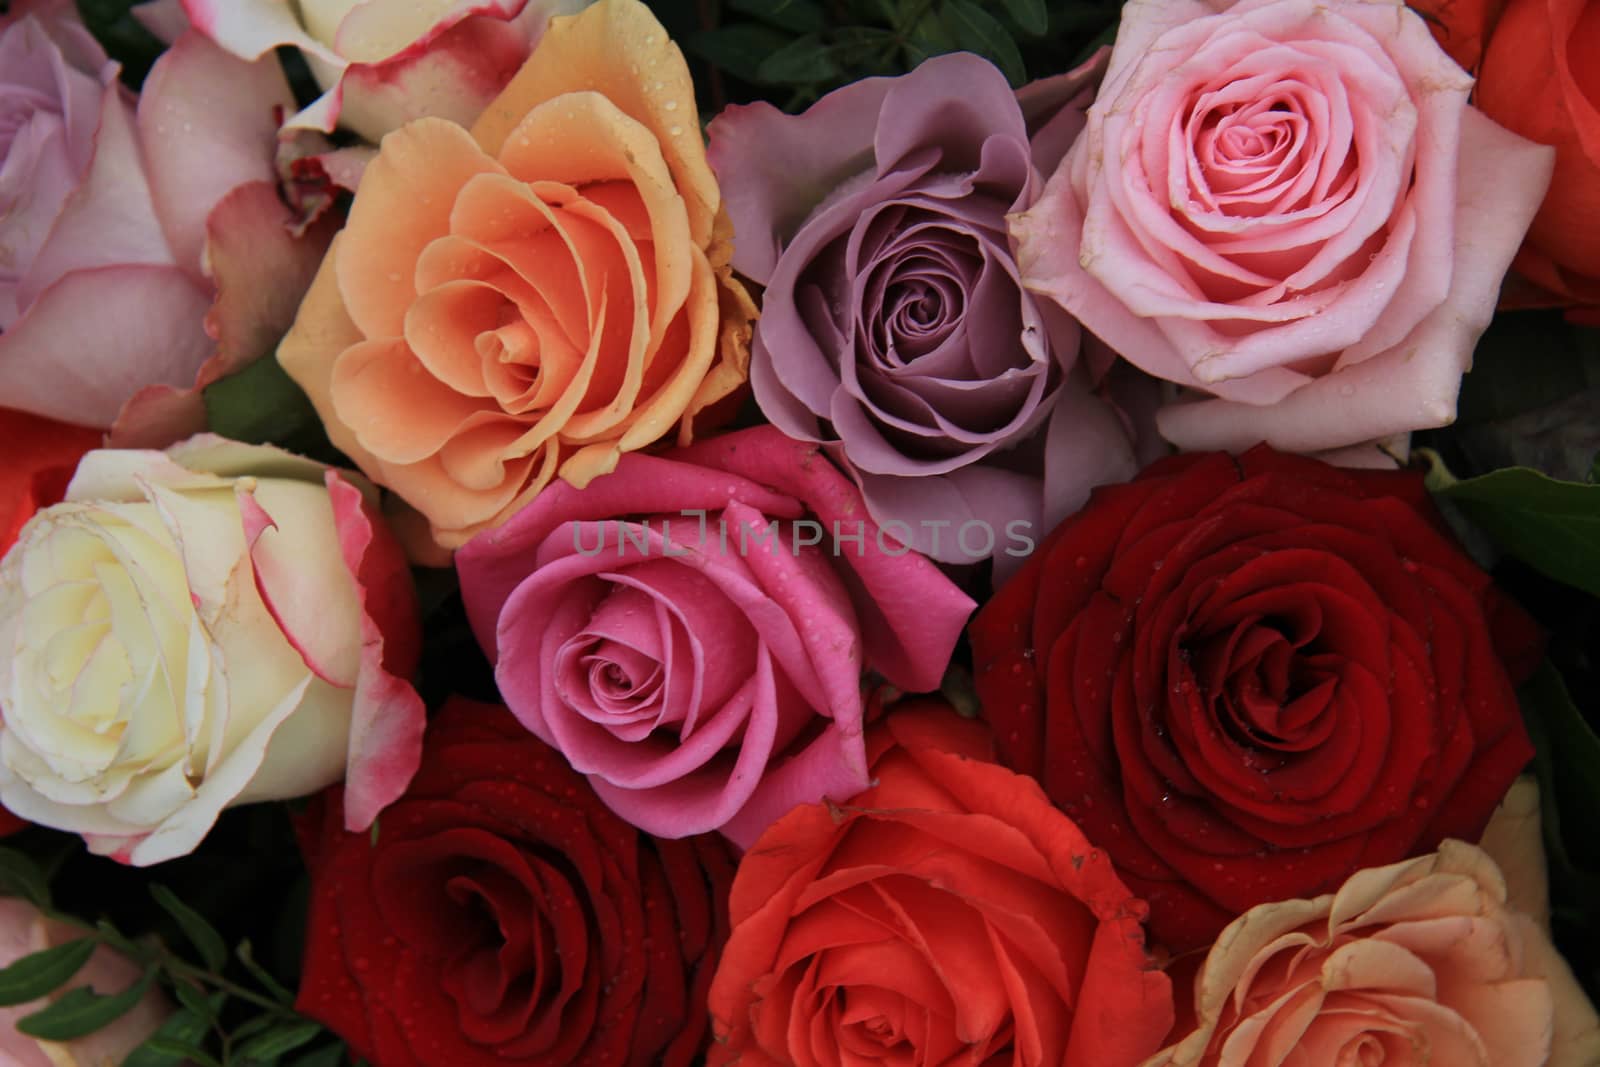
<point x="1514" y="839"/>
<point x="1416" y="963"/>
<point x="534" y="298"/>
<point x="24" y="930"/>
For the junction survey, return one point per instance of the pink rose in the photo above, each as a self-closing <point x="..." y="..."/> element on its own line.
<point x="1287" y="207"/>
<point x="137" y="242"/>
<point x="386" y="62"/>
<point x="24" y="930"/>
<point x="690" y="630"/>
<point x="1408" y="965"/>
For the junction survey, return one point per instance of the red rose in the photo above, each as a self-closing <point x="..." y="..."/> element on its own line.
<point x="1247" y="678"/>
<point x="946" y="915"/>
<point x="501" y="916"/>
<point x="39" y="458"/>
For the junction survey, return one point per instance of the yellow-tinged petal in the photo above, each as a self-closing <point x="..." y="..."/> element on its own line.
<point x="1514" y="840"/>
<point x="321" y="332"/>
<point x="732" y="368"/>
<point x="617" y="48"/>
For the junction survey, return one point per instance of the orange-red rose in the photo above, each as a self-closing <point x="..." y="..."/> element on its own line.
<point x="947" y="915"/>
<point x="1538" y="67"/>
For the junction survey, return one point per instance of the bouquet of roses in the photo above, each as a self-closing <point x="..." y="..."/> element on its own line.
<point x="799" y="533"/>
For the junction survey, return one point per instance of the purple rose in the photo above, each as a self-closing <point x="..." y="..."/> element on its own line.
<point x="895" y="328"/>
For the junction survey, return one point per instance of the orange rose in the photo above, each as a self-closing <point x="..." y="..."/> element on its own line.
<point x="533" y="298"/>
<point x="1537" y="77"/>
<point x="1416" y="963"/>
<point x="948" y="915"/>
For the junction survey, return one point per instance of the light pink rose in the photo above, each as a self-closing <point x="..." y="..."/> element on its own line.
<point x="137" y="242"/>
<point x="1287" y="207"/>
<point x="689" y="634"/>
<point x="1414" y="964"/>
<point x="386" y="62"/>
<point x="25" y="930"/>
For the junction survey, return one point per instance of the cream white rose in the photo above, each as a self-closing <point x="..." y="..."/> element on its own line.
<point x="386" y="62"/>
<point x="188" y="630"/>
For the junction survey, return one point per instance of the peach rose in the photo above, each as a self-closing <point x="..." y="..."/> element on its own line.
<point x="1420" y="962"/>
<point x="536" y="297"/>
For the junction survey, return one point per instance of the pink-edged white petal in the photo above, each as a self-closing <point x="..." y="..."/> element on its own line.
<point x="209" y="123"/>
<point x="388" y="717"/>
<point x="251" y="28"/>
<point x="452" y="75"/>
<point x="299" y="578"/>
<point x="371" y="33"/>
<point x="96" y="337"/>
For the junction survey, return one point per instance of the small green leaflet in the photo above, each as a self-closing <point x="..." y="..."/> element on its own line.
<point x="32" y="976"/>
<point x="213" y="951"/>
<point x="1552" y="526"/>
<point x="82" y="1011"/>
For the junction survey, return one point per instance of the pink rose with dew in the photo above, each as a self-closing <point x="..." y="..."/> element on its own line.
<point x="144" y="249"/>
<point x="1287" y="208"/>
<point x="691" y="636"/>
<point x="383" y="63"/>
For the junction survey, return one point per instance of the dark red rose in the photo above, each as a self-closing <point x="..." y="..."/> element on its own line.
<point x="1245" y="678"/>
<point x="501" y="916"/>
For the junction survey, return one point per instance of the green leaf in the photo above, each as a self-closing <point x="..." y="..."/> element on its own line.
<point x="213" y="951"/>
<point x="247" y="956"/>
<point x="1030" y="15"/>
<point x="803" y="61"/>
<point x="1552" y="526"/>
<point x="179" y="1039"/>
<point x="978" y="31"/>
<point x="195" y="1000"/>
<point x="928" y="38"/>
<point x="21" y="877"/>
<point x="1568" y="767"/>
<point x="740" y="49"/>
<point x="82" y="1011"/>
<point x="798" y="16"/>
<point x="260" y="404"/>
<point x="34" y="975"/>
<point x="327" y="1056"/>
<point x="276" y="1042"/>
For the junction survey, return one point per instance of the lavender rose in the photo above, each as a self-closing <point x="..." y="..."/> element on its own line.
<point x="895" y="328"/>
